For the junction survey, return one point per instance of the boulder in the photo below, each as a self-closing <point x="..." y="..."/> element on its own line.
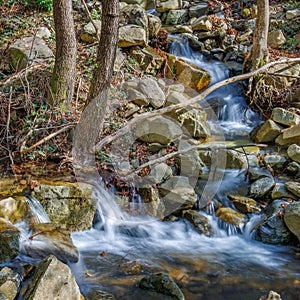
<point x="188" y="74"/>
<point x="166" y="5"/>
<point x="177" y="194"/>
<point x="198" y="10"/>
<point x="162" y="283"/>
<point x="267" y="132"/>
<point x="202" y="24"/>
<point x="261" y="187"/>
<point x="280" y="192"/>
<point x="175" y="17"/>
<point x="235" y="160"/>
<point x="160" y="172"/>
<point x="293" y="152"/>
<point x="275" y="161"/>
<point x="153" y="206"/>
<point x="28" y="49"/>
<point x="53" y="279"/>
<point x="199" y="221"/>
<point x="9" y="236"/>
<point x="43" y="32"/>
<point x="68" y="204"/>
<point x="137" y="97"/>
<point x="9" y="284"/>
<point x="285" y="117"/>
<point x="147" y="58"/>
<point x="273" y="229"/>
<point x="276" y="38"/>
<point x="292" y="13"/>
<point x="292" y="218"/>
<point x="150" y="88"/>
<point x="134" y="14"/>
<point x="158" y="129"/>
<point x="47" y="239"/>
<point x="293" y="187"/>
<point x="132" y="35"/>
<point x="257" y="173"/>
<point x="89" y="32"/>
<point x="231" y="216"/>
<point x="154" y="25"/>
<point x="244" y="204"/>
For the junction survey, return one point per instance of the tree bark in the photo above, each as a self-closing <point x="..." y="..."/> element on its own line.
<point x="91" y="121"/>
<point x="259" y="52"/>
<point x="64" y="74"/>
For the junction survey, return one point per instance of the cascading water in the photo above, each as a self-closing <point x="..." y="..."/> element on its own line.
<point x="232" y="110"/>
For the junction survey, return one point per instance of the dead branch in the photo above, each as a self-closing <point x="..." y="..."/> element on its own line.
<point x="91" y="19"/>
<point x="196" y="99"/>
<point x="47" y="138"/>
<point x="202" y="147"/>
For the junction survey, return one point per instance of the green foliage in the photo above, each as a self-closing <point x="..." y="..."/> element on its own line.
<point x="38" y="4"/>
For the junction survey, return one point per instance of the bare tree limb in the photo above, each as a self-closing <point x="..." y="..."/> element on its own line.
<point x="47" y="138"/>
<point x="91" y="19"/>
<point x="202" y="147"/>
<point x="196" y="99"/>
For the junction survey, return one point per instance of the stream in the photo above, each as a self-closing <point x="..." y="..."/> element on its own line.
<point x="123" y="247"/>
<point x="229" y="265"/>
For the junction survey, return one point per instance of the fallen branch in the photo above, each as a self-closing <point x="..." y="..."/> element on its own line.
<point x="47" y="138"/>
<point x="202" y="147"/>
<point x="196" y="99"/>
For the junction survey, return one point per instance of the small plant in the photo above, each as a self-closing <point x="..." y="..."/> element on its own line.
<point x="39" y="4"/>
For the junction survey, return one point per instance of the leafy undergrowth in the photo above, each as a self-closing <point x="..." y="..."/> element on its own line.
<point x="26" y="117"/>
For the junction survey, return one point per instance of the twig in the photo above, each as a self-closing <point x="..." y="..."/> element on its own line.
<point x="198" y="99"/>
<point x="283" y="75"/>
<point x="201" y="147"/>
<point x="91" y="19"/>
<point x="47" y="138"/>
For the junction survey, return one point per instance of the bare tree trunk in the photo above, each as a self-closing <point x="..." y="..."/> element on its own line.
<point x="259" y="52"/>
<point x="91" y="121"/>
<point x="64" y="74"/>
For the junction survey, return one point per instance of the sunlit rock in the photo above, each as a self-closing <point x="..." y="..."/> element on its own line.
<point x="166" y="5"/>
<point x="294" y="152"/>
<point x="261" y="187"/>
<point x="199" y="221"/>
<point x="267" y="132"/>
<point x="285" y="117"/>
<point x="9" y="284"/>
<point x="244" y="204"/>
<point x="132" y="35"/>
<point x="293" y="187"/>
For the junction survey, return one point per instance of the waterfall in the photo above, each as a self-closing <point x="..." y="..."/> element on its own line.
<point x="37" y="210"/>
<point x="234" y="115"/>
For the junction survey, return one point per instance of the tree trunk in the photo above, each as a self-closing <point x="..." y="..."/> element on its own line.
<point x="91" y="121"/>
<point x="64" y="74"/>
<point x="259" y="52"/>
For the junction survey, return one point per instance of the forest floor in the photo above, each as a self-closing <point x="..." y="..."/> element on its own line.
<point x="26" y="117"/>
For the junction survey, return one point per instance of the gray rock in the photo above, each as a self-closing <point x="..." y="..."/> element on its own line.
<point x="275" y="161"/>
<point x="158" y="129"/>
<point x="9" y="236"/>
<point x="43" y="32"/>
<point x="292" y="14"/>
<point x="149" y="87"/>
<point x="292" y="218"/>
<point x="154" y="25"/>
<point x="257" y="173"/>
<point x="56" y="282"/>
<point x="293" y="187"/>
<point x="177" y="194"/>
<point x="137" y="97"/>
<point x="198" y="10"/>
<point x="68" y="204"/>
<point x="267" y="132"/>
<point x="199" y="221"/>
<point x="161" y="172"/>
<point x="162" y="283"/>
<point x="89" y="32"/>
<point x="47" y="239"/>
<point x="261" y="187"/>
<point x="166" y="5"/>
<point x="99" y="295"/>
<point x="9" y="284"/>
<point x="27" y="50"/>
<point x="175" y="17"/>
<point x="293" y="152"/>
<point x="276" y="38"/>
<point x="203" y="24"/>
<point x="280" y="192"/>
<point x="235" y="160"/>
<point x="285" y="117"/>
<point x="132" y="35"/>
<point x="273" y="229"/>
<point x="153" y="206"/>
